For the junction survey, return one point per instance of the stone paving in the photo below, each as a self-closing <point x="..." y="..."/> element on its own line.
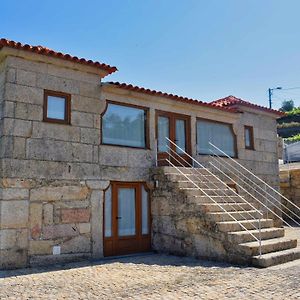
<point x="152" y="276"/>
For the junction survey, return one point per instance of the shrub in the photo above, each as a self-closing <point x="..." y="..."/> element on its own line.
<point x="294" y="111"/>
<point x="295" y="138"/>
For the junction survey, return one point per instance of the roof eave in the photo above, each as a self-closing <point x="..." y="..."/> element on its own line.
<point x="154" y="93"/>
<point x="17" y="49"/>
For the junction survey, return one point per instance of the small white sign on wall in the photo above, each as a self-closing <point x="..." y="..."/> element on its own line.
<point x="56" y="250"/>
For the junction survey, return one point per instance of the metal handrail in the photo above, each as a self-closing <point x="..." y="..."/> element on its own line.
<point x="222" y="208"/>
<point x="212" y="174"/>
<point x="259" y="188"/>
<point x="224" y="194"/>
<point x="249" y="172"/>
<point x="260" y="202"/>
<point x="214" y="201"/>
<point x="268" y="200"/>
<point x="262" y="181"/>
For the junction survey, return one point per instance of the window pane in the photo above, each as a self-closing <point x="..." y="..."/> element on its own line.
<point x="247" y="137"/>
<point x="145" y="211"/>
<point x="180" y="135"/>
<point x="218" y="134"/>
<point x="124" y="126"/>
<point x="126" y="211"/>
<point x="108" y="213"/>
<point x="56" y="108"/>
<point x="163" y="132"/>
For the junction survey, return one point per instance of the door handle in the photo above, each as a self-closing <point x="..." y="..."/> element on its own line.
<point x="118" y="218"/>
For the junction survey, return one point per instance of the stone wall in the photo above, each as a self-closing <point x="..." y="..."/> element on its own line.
<point x="39" y="214"/>
<point x="290" y="188"/>
<point x="182" y="227"/>
<point x="53" y="176"/>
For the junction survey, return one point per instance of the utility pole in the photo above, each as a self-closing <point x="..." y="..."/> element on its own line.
<point x="271" y="93"/>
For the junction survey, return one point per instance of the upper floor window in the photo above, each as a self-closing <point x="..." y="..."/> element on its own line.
<point x="249" y="138"/>
<point x="218" y="134"/>
<point x="124" y="125"/>
<point x="57" y="107"/>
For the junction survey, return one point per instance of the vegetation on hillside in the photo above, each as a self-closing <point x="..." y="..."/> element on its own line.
<point x="287" y="125"/>
<point x="293" y="139"/>
<point x="294" y="111"/>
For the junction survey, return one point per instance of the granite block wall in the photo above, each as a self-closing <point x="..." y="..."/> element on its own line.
<point x="53" y="176"/>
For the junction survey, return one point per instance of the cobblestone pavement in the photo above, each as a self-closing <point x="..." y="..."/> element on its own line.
<point x="152" y="276"/>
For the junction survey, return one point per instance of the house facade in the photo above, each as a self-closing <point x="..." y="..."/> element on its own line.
<point x="77" y="155"/>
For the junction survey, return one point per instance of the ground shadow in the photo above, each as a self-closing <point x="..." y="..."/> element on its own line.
<point x="144" y="258"/>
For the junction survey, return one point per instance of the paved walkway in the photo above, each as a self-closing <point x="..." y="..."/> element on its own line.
<point x="152" y="277"/>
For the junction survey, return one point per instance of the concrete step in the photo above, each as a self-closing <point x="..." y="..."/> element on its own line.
<point x="185" y="170"/>
<point x="185" y="183"/>
<point x="267" y="246"/>
<point x="194" y="177"/>
<point x="208" y="190"/>
<point x="213" y="199"/>
<point x="233" y="215"/>
<point x="230" y="226"/>
<point x="213" y="207"/>
<point x="240" y="237"/>
<point x="276" y="258"/>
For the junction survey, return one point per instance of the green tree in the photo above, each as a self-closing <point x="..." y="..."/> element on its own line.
<point x="287" y="105"/>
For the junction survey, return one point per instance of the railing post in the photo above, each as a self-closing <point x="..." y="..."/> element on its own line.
<point x="259" y="234"/>
<point x="156" y="155"/>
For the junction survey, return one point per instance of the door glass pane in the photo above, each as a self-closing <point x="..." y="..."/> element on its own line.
<point x="56" y="108"/>
<point x="145" y="211"/>
<point x="163" y="132"/>
<point x="107" y="212"/>
<point x="126" y="211"/>
<point x="180" y="135"/>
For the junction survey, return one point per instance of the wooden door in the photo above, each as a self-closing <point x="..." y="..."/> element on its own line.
<point x="126" y="219"/>
<point x="177" y="128"/>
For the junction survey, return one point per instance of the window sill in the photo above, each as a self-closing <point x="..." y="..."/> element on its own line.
<point x="123" y="146"/>
<point x="57" y="121"/>
<point x="202" y="154"/>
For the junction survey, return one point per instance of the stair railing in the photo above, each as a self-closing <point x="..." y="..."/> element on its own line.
<point x="191" y="166"/>
<point x="198" y="173"/>
<point x="245" y="177"/>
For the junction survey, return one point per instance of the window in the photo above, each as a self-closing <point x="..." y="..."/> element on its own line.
<point x="249" y="138"/>
<point x="124" y="126"/>
<point x="219" y="134"/>
<point x="57" y="107"/>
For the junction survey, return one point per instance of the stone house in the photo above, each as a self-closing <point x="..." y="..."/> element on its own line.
<point x="70" y="142"/>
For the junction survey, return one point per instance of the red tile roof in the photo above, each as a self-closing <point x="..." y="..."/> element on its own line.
<point x="46" y="51"/>
<point x="131" y="87"/>
<point x="231" y="101"/>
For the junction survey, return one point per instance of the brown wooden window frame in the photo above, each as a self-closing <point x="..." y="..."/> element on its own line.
<point x="146" y="125"/>
<point x="250" y="128"/>
<point x="67" y="97"/>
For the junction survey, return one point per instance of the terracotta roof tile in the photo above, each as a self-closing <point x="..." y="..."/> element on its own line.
<point x="170" y="96"/>
<point x="46" y="51"/>
<point x="231" y="101"/>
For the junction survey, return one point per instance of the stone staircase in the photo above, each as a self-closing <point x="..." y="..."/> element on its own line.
<point x="196" y="214"/>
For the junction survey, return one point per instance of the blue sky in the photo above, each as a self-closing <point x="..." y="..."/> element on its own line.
<point x="200" y="49"/>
